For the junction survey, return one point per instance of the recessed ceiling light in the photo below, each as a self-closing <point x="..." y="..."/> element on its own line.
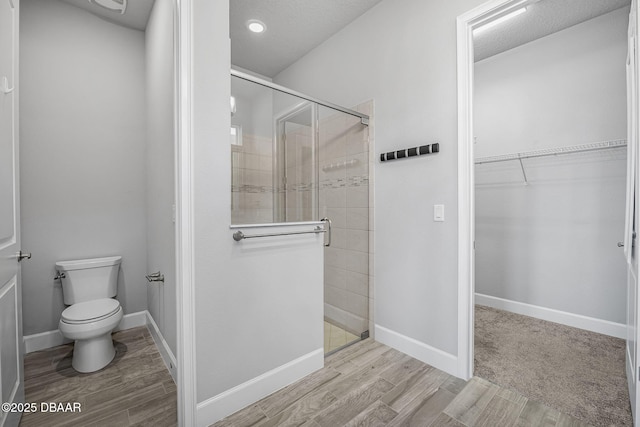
<point x="256" y="26"/>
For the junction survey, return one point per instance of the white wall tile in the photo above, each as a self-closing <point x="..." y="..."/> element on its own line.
<point x="335" y="257"/>
<point x="358" y="218"/>
<point x="336" y="277"/>
<point x="357" y="304"/>
<point x="357" y="283"/>
<point x="338" y="216"/>
<point x="358" y="240"/>
<point x="357" y="261"/>
<point x="358" y="197"/>
<point x="335" y="197"/>
<point x="339" y="237"/>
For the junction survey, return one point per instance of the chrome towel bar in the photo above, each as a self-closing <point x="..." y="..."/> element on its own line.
<point x="239" y="235"/>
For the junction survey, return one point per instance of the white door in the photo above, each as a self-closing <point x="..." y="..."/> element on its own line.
<point x="632" y="215"/>
<point x="11" y="350"/>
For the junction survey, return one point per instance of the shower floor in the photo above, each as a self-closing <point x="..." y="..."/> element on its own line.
<point x="335" y="337"/>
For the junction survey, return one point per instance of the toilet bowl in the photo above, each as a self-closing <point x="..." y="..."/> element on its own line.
<point x="90" y="324"/>
<point x="88" y="288"/>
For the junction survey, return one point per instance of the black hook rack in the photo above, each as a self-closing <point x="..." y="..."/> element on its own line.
<point x="410" y="152"/>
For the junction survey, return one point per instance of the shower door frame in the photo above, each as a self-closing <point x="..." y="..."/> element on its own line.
<point x="280" y="165"/>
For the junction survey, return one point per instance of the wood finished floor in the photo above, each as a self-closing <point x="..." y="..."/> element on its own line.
<point x="370" y="384"/>
<point x="135" y="389"/>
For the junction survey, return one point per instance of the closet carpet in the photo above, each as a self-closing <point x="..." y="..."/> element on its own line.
<point x="577" y="372"/>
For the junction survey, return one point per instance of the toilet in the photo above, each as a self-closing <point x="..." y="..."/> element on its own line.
<point x="88" y="288"/>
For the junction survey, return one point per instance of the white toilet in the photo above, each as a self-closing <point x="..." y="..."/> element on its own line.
<point x="88" y="287"/>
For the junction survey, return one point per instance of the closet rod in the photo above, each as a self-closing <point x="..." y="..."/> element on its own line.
<point x="618" y="143"/>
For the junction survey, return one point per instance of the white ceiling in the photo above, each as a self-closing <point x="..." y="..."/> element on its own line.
<point x="135" y="16"/>
<point x="541" y="19"/>
<point x="294" y="27"/>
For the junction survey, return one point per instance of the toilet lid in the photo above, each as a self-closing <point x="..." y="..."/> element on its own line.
<point x="90" y="311"/>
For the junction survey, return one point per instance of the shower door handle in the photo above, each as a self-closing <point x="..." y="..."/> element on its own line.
<point x="328" y="221"/>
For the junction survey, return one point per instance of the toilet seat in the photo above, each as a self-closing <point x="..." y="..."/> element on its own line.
<point x="90" y="311"/>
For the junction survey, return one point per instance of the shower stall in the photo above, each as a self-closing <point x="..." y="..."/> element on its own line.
<point x="298" y="159"/>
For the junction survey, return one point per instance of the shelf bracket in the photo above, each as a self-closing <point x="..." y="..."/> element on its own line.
<point x="524" y="174"/>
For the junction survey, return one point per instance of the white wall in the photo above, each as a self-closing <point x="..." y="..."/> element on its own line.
<point x="254" y="107"/>
<point x="564" y="89"/>
<point x="160" y="196"/>
<point x="258" y="302"/>
<point x="82" y="157"/>
<point x="553" y="243"/>
<point x="402" y="54"/>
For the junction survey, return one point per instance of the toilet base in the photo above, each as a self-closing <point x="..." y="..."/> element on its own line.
<point x="93" y="354"/>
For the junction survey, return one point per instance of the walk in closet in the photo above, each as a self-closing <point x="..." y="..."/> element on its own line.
<point x="550" y="192"/>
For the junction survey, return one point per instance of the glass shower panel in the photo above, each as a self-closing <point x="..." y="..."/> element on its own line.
<point x="343" y="152"/>
<point x="274" y="171"/>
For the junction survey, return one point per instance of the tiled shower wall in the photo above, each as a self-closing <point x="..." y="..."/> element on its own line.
<point x="345" y="198"/>
<point x="251" y="181"/>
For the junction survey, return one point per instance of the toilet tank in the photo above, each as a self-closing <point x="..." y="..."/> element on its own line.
<point x="89" y="279"/>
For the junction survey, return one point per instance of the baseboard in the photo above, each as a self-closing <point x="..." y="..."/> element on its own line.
<point x="425" y="353"/>
<point x="232" y="400"/>
<point x="132" y="320"/>
<point x="165" y="351"/>
<point x="49" y="339"/>
<point x="592" y="324"/>
<point x="43" y="340"/>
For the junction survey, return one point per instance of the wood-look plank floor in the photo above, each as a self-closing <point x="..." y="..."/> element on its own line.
<point x="135" y="389"/>
<point x="370" y="384"/>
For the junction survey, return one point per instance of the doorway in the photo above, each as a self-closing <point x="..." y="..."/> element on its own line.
<point x="87" y="134"/>
<point x="511" y="175"/>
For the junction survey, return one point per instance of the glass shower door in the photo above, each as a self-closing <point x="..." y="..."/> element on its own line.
<point x="344" y="198"/>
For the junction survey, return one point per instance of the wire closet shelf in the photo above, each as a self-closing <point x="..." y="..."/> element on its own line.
<point x="553" y="151"/>
<point x="595" y="146"/>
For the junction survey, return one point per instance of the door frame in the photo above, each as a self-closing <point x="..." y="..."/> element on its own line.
<point x="10" y="84"/>
<point x="184" y="160"/>
<point x="466" y="23"/>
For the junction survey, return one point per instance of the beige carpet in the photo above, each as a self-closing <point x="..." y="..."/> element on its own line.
<point x="577" y="372"/>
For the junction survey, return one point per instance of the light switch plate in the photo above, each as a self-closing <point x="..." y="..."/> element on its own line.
<point x="438" y="212"/>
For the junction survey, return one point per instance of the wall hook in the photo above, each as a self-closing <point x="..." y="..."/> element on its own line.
<point x="5" y="86"/>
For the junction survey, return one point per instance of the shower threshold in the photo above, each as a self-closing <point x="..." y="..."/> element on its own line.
<point x="337" y="338"/>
